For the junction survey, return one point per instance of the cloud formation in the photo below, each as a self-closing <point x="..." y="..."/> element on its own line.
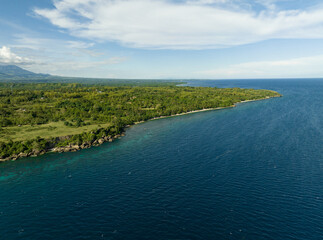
<point x="294" y="67"/>
<point x="8" y="57"/>
<point x="200" y="24"/>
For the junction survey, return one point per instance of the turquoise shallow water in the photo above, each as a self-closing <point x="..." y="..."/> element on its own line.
<point x="250" y="172"/>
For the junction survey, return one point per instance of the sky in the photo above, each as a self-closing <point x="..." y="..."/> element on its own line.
<point x="164" y="39"/>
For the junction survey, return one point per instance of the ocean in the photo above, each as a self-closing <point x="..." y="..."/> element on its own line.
<point x="250" y="172"/>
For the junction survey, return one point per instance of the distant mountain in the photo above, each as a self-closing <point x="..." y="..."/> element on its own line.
<point x="3" y="75"/>
<point x="8" y="72"/>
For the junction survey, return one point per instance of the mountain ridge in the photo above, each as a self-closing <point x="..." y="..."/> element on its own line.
<point x="8" y="72"/>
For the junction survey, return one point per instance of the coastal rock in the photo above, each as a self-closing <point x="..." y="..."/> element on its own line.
<point x="85" y="145"/>
<point x="36" y="152"/>
<point x="42" y="152"/>
<point x="22" y="155"/>
<point x="54" y="149"/>
<point x="76" y="147"/>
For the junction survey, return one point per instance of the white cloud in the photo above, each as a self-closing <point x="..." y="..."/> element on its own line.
<point x="289" y="68"/>
<point x="79" y="65"/>
<point x="115" y="60"/>
<point x="38" y="43"/>
<point x="8" y="57"/>
<point x="79" y="45"/>
<point x="207" y="1"/>
<point x="162" y="24"/>
<point x="59" y="57"/>
<point x="77" y="68"/>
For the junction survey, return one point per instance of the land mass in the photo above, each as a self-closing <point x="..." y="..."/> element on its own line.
<point x="13" y="72"/>
<point x="36" y="118"/>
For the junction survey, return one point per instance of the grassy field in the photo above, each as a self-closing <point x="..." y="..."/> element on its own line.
<point x="53" y="129"/>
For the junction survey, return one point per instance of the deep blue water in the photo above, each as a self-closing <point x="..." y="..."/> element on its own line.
<point x="250" y="172"/>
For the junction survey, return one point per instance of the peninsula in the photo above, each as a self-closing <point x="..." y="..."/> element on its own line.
<point x="36" y="118"/>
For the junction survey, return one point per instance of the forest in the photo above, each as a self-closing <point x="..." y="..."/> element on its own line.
<point x="37" y="117"/>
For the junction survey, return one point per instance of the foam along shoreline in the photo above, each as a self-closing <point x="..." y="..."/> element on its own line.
<point x="97" y="142"/>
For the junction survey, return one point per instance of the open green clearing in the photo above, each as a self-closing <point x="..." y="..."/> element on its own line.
<point x="48" y="130"/>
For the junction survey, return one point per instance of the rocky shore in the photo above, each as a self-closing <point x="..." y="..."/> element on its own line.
<point x="68" y="148"/>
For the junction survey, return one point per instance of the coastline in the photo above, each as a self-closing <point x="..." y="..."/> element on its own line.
<point x="184" y="113"/>
<point x="202" y="110"/>
<point x="100" y="141"/>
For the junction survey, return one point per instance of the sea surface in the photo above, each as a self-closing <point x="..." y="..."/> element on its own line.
<point x="250" y="172"/>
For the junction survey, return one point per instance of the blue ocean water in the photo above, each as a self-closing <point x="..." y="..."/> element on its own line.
<point x="250" y="172"/>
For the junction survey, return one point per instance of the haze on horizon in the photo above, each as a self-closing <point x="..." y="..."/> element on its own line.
<point x="201" y="39"/>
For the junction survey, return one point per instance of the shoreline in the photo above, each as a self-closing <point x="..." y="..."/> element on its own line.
<point x="184" y="113"/>
<point x="202" y="110"/>
<point x="100" y="141"/>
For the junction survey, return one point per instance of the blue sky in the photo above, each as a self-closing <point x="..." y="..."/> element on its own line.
<point x="200" y="39"/>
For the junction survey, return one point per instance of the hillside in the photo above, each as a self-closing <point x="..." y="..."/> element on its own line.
<point x="13" y="72"/>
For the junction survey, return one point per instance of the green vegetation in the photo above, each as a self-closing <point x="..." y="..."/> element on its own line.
<point x="48" y="130"/>
<point x="36" y="117"/>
